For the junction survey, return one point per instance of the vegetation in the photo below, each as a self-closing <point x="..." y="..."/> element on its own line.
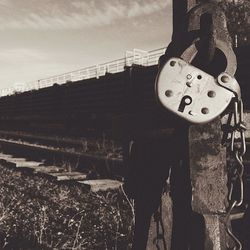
<point x="238" y="20"/>
<point x="37" y="213"/>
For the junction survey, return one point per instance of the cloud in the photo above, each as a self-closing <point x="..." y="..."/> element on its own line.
<point x="5" y="3"/>
<point x="21" y="55"/>
<point x="79" y="14"/>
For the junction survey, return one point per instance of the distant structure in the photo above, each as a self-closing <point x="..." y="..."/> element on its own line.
<point x="135" y="56"/>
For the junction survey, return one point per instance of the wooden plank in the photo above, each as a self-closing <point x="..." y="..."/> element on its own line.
<point x="47" y="169"/>
<point x="66" y="176"/>
<point x="5" y="156"/>
<point x="10" y="158"/>
<point x="11" y="162"/>
<point x="19" y="162"/>
<point x="101" y="185"/>
<point x="71" y="177"/>
<point x="27" y="164"/>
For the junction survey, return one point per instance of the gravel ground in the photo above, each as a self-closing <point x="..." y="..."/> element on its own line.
<point x="37" y="213"/>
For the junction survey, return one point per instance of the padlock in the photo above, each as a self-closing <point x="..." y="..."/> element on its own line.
<point x="192" y="93"/>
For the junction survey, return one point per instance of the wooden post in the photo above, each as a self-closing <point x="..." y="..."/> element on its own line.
<point x="206" y="160"/>
<point x="209" y="181"/>
<point x="208" y="173"/>
<point x="199" y="180"/>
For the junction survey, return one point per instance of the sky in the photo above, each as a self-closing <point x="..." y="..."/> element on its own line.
<point x="44" y="38"/>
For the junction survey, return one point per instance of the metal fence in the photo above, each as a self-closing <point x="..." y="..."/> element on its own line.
<point x="136" y="56"/>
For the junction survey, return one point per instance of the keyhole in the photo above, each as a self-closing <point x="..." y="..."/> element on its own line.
<point x="185" y="101"/>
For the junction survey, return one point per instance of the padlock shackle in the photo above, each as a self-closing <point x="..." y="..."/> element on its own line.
<point x="194" y="15"/>
<point x="230" y="56"/>
<point x="221" y="39"/>
<point x="189" y="54"/>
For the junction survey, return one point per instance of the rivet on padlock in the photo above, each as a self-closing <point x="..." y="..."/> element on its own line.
<point x="172" y="63"/>
<point x="169" y="93"/>
<point x="205" y="111"/>
<point x="225" y="78"/>
<point x="211" y="94"/>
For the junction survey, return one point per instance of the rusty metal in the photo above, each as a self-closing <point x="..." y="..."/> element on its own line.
<point x="220" y="35"/>
<point x="228" y="226"/>
<point x="235" y="125"/>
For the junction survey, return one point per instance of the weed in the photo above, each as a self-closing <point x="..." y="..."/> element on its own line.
<point x="37" y="213"/>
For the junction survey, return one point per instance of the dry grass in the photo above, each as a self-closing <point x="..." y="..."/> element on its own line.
<point x="36" y="213"/>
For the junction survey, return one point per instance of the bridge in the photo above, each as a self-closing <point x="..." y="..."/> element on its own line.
<point x="136" y="56"/>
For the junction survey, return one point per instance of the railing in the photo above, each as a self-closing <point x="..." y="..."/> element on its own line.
<point x="137" y="56"/>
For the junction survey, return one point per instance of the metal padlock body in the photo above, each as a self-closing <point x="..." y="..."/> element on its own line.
<point x="190" y="92"/>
